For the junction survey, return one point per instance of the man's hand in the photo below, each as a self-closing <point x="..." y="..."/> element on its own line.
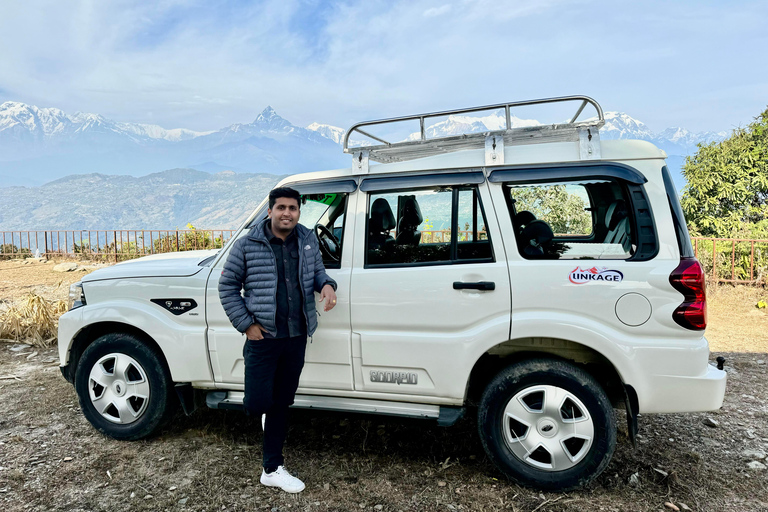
<point x="255" y="332"/>
<point x="328" y="293"/>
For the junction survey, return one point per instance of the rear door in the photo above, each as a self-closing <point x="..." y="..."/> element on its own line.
<point x="587" y="259"/>
<point x="429" y="283"/>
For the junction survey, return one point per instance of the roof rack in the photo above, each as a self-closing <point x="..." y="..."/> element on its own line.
<point x="585" y="132"/>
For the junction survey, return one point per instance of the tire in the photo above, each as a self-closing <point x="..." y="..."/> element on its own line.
<point x="124" y="388"/>
<point x="547" y="424"/>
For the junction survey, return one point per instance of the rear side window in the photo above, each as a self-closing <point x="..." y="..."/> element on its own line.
<point x="580" y="219"/>
<point x="426" y="226"/>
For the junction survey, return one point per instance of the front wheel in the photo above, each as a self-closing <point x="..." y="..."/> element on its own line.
<point x="547" y="424"/>
<point x="125" y="390"/>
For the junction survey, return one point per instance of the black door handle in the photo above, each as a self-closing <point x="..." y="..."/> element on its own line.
<point x="482" y="285"/>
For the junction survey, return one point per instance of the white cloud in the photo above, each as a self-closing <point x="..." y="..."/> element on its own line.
<point x="202" y="64"/>
<point x="433" y="12"/>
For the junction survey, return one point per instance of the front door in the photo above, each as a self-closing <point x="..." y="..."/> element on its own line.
<point x="328" y="357"/>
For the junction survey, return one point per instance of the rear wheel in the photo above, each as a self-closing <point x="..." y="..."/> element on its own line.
<point x="547" y="424"/>
<point x="125" y="390"/>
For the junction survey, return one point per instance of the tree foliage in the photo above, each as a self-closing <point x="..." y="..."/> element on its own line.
<point x="727" y="190"/>
<point x="563" y="210"/>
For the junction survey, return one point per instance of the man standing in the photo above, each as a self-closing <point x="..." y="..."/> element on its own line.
<point x="279" y="267"/>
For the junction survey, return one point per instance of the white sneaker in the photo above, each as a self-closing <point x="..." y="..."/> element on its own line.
<point x="283" y="479"/>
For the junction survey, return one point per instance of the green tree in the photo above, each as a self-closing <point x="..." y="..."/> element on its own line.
<point x="727" y="190"/>
<point x="563" y="210"/>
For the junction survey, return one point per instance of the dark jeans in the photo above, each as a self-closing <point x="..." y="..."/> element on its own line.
<point x="272" y="370"/>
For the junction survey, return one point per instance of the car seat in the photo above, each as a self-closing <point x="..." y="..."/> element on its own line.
<point x="409" y="220"/>
<point x="380" y="224"/>
<point x="522" y="219"/>
<point x="536" y="238"/>
<point x="617" y="223"/>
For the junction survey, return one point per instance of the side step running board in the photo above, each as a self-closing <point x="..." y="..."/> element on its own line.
<point x="445" y="416"/>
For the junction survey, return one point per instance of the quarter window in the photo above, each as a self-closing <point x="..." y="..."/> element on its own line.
<point x="437" y="225"/>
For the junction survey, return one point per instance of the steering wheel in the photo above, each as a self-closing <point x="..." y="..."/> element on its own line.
<point x="329" y="244"/>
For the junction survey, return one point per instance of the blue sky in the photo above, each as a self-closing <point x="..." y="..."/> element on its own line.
<point x="206" y="64"/>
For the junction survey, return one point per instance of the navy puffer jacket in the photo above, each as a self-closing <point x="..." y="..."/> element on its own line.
<point x="251" y="266"/>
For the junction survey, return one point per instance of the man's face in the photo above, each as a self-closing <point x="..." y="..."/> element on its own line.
<point x="284" y="214"/>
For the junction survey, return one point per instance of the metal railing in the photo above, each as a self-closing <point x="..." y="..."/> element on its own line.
<point x="733" y="260"/>
<point x="444" y="236"/>
<point x="725" y="260"/>
<point x="108" y="245"/>
<point x="379" y="149"/>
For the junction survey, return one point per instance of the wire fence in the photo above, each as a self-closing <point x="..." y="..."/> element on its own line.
<point x="108" y="245"/>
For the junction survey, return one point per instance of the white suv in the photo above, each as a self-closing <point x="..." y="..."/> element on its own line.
<point x="537" y="276"/>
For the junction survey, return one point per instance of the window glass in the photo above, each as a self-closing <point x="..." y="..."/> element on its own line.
<point x="565" y="207"/>
<point x="572" y="220"/>
<point x="324" y="214"/>
<point x="417" y="227"/>
<point x="472" y="240"/>
<point x="313" y="208"/>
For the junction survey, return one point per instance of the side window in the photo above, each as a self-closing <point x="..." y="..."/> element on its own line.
<point x="438" y="225"/>
<point x="324" y="214"/>
<point x="589" y="219"/>
<point x="473" y="242"/>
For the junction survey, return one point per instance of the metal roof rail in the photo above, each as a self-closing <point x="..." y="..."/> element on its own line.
<point x="585" y="132"/>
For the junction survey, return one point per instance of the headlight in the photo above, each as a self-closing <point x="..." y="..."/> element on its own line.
<point x="76" y="296"/>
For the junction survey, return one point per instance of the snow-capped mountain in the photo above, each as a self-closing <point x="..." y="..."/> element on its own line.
<point x="619" y="125"/>
<point x="334" y="133"/>
<point x="48" y="123"/>
<point x="458" y="124"/>
<point x="38" y="145"/>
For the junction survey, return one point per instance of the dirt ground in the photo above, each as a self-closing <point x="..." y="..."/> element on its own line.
<point x="52" y="459"/>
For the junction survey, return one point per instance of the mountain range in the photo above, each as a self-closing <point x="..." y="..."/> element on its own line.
<point x="39" y="145"/>
<point x="83" y="171"/>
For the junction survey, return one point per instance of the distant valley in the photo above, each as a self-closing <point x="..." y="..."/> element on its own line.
<point x="164" y="200"/>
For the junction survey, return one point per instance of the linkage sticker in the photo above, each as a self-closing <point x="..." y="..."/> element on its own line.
<point x="588" y="275"/>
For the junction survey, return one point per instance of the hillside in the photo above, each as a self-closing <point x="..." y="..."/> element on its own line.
<point x="161" y="200"/>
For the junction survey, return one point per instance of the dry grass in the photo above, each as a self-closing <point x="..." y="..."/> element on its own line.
<point x="734" y="323"/>
<point x="35" y="320"/>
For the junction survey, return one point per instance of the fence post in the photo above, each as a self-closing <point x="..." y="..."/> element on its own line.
<point x="114" y="234"/>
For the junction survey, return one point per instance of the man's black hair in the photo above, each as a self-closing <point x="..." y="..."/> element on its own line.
<point x="277" y="193"/>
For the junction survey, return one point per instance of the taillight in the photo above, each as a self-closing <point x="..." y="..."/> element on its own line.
<point x="688" y="279"/>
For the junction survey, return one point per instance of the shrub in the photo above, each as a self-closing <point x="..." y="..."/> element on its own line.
<point x="10" y="251"/>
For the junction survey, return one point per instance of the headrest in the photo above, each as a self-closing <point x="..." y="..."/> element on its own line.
<point x="381" y="216"/>
<point x="617" y="211"/>
<point x="411" y="214"/>
<point x="537" y="232"/>
<point x="523" y="218"/>
<point x="535" y="236"/>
